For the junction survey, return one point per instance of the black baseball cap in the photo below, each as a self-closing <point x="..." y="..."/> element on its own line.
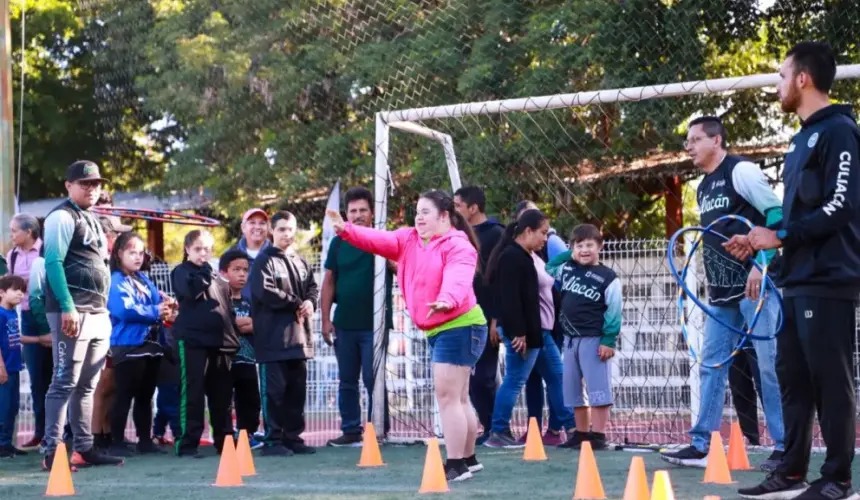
<point x="84" y="170"/>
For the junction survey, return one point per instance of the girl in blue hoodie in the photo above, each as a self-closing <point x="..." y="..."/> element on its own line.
<point x="137" y="310"/>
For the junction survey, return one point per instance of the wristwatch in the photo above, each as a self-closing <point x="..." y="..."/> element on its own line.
<point x="781" y="234"/>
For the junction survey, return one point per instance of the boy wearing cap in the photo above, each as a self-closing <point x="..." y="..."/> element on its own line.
<point x="78" y="280"/>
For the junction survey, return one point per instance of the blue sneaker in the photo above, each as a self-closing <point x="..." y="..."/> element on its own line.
<point x="259" y="436"/>
<point x="255" y="445"/>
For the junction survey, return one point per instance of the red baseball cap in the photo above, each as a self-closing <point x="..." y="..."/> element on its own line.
<point x="253" y="212"/>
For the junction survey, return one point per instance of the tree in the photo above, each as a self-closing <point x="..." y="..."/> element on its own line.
<point x="272" y="97"/>
<point x="63" y="117"/>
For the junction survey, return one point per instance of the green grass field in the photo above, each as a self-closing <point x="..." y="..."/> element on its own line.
<point x="331" y="474"/>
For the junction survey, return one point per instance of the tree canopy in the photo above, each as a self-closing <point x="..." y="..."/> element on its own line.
<point x="272" y="98"/>
<point x="63" y="113"/>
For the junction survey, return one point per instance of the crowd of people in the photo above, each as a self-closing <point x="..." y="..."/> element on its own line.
<point x="100" y="336"/>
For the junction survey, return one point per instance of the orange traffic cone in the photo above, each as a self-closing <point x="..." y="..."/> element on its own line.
<point x="738" y="459"/>
<point x="534" y="444"/>
<point x="244" y="455"/>
<point x="60" y="480"/>
<point x="588" y="483"/>
<point x="717" y="470"/>
<point x="662" y="489"/>
<point x="370" y="455"/>
<point x="637" y="481"/>
<point x="712" y="497"/>
<point x="434" y="480"/>
<point x="228" y="469"/>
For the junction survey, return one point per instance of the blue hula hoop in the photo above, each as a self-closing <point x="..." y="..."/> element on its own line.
<point x="768" y="287"/>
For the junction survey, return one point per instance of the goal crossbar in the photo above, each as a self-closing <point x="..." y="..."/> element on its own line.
<point x="597" y="97"/>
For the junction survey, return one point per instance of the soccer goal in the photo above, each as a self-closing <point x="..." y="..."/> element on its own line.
<point x="610" y="157"/>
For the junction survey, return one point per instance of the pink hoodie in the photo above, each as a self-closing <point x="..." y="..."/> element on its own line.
<point x="441" y="271"/>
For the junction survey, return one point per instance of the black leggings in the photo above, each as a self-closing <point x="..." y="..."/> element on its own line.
<point x="136" y="379"/>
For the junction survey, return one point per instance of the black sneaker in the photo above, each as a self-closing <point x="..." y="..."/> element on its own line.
<point x="777" y="486"/>
<point x="772" y="461"/>
<point x="48" y="462"/>
<point x="598" y="440"/>
<point x="120" y="450"/>
<point x="346" y="441"/>
<point x="473" y="464"/>
<point x="190" y="453"/>
<point x="15" y="451"/>
<point x="7" y="452"/>
<point x="574" y="442"/>
<point x="503" y="440"/>
<point x="687" y="457"/>
<point x="827" y="489"/>
<point x="276" y="450"/>
<point x="147" y="447"/>
<point x="456" y="470"/>
<point x="93" y="458"/>
<point x="301" y="448"/>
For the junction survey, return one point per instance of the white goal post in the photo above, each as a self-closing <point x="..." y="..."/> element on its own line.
<point x="407" y="121"/>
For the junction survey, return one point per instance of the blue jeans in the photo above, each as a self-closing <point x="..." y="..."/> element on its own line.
<point x="40" y="365"/>
<point x="717" y="346"/>
<point x="167" y="410"/>
<point x="547" y="359"/>
<point x="10" y="400"/>
<point x="354" y="352"/>
<point x="535" y="399"/>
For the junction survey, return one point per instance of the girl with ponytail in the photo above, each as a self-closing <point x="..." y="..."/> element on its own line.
<point x="527" y="318"/>
<point x="436" y="262"/>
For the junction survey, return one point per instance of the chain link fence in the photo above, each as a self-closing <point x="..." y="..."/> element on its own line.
<point x="269" y="103"/>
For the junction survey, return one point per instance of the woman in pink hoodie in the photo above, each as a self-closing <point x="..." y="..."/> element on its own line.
<point x="436" y="264"/>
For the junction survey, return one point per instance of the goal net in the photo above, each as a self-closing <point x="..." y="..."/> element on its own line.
<point x="613" y="158"/>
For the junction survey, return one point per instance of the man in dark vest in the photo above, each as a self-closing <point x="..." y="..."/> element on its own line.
<point x="76" y="255"/>
<point x="732" y="185"/>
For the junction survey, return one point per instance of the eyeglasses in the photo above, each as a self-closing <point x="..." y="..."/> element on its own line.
<point x="694" y="140"/>
<point x="90" y="184"/>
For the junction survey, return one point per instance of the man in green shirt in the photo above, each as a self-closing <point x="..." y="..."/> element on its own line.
<point x="348" y="282"/>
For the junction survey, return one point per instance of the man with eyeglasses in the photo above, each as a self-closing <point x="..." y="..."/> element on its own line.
<point x="78" y="278"/>
<point x="732" y="185"/>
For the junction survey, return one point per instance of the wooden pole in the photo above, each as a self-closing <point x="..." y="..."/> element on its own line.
<point x="674" y="205"/>
<point x="7" y="140"/>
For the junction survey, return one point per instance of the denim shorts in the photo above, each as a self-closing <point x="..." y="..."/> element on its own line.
<point x="459" y="346"/>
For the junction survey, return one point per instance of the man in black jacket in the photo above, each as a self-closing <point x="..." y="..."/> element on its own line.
<point x="470" y="201"/>
<point x="820" y="275"/>
<point x="283" y="296"/>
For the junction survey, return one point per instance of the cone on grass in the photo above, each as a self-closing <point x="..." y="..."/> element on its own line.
<point x="637" y="481"/>
<point x="662" y="488"/>
<point x="228" y="469"/>
<point x="60" y="480"/>
<point x="534" y="451"/>
<point x="738" y="459"/>
<point x="433" y="480"/>
<point x="588" y="483"/>
<point x="244" y="455"/>
<point x="370" y="454"/>
<point x="717" y="470"/>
